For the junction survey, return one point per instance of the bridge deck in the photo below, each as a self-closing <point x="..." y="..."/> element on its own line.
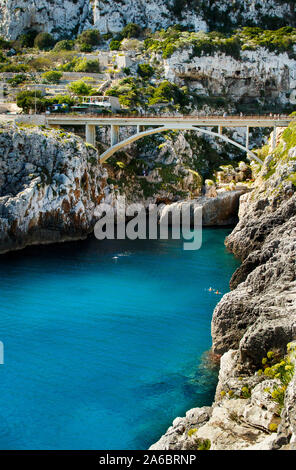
<point x="228" y="121"/>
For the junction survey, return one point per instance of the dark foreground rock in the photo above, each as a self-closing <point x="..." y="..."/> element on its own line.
<point x="254" y="407"/>
<point x="50" y="184"/>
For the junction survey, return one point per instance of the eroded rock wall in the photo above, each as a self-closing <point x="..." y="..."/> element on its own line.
<point x="50" y="185"/>
<point x="66" y="18"/>
<point x="255" y="319"/>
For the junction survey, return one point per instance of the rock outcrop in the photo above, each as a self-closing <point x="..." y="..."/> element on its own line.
<point x="50" y="184"/>
<point x="67" y="17"/>
<point x="257" y="75"/>
<point x="255" y="408"/>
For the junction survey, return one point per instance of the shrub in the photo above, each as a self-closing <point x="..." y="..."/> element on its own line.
<point x="65" y="45"/>
<point x="273" y="427"/>
<point x="168" y="92"/>
<point x="17" y="79"/>
<point x="145" y="71"/>
<point x="84" y="47"/>
<point x="29" y="99"/>
<point x="4" y="44"/>
<point x="80" y="88"/>
<point x="3" y="58"/>
<point x="91" y="37"/>
<point x="44" y="41"/>
<point x="114" y="45"/>
<point x="87" y="65"/>
<point x="27" y="39"/>
<point x="60" y="99"/>
<point x="131" y="30"/>
<point x="40" y="64"/>
<point x="16" y="68"/>
<point x="52" y="76"/>
<point x="203" y="444"/>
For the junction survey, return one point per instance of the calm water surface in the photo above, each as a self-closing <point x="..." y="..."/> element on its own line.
<point x="104" y="340"/>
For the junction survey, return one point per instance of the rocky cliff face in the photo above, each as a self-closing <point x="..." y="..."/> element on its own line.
<point x="50" y="184"/>
<point x="254" y="322"/>
<point x="67" y="17"/>
<point x="259" y="74"/>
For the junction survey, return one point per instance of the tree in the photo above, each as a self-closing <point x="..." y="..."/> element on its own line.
<point x="168" y="92"/>
<point x="17" y="79"/>
<point x="27" y="38"/>
<point x="29" y="100"/>
<point x="52" y="76"/>
<point x="44" y="41"/>
<point x="87" y="65"/>
<point x="90" y="37"/>
<point x="4" y="44"/>
<point x="65" y="45"/>
<point x="131" y="30"/>
<point x="114" y="45"/>
<point x="145" y="70"/>
<point x="80" y="88"/>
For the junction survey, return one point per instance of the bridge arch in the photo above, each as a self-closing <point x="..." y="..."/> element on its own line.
<point x="118" y="146"/>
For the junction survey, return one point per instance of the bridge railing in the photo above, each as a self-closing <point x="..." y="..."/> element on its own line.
<point x="230" y="117"/>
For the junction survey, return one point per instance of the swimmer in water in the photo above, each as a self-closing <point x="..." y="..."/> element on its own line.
<point x="210" y="289"/>
<point x="217" y="292"/>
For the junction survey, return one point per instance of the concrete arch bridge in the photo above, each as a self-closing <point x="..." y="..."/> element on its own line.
<point x="146" y="126"/>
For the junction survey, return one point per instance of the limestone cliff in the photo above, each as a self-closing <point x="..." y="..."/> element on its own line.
<point x="254" y="406"/>
<point x="50" y="184"/>
<point x="260" y="75"/>
<point x="66" y="18"/>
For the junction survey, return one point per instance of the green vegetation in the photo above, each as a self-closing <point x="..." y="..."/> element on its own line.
<point x="201" y="43"/>
<point x="131" y="30"/>
<point x="203" y="444"/>
<point x="30" y="99"/>
<point x="168" y="92"/>
<point x="27" y="39"/>
<point x="65" y="45"/>
<point x="191" y="432"/>
<point x="280" y="40"/>
<point x="115" y="45"/>
<point x="44" y="41"/>
<point x="14" y="67"/>
<point x="80" y="88"/>
<point x="276" y="368"/>
<point x="145" y="71"/>
<point x="52" y="76"/>
<point x="88" y="39"/>
<point x="282" y="152"/>
<point x="87" y="65"/>
<point x="134" y="92"/>
<point x="17" y="80"/>
<point x="4" y="44"/>
<point x="76" y="64"/>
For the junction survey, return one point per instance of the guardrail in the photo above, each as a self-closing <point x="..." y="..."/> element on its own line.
<point x="191" y="116"/>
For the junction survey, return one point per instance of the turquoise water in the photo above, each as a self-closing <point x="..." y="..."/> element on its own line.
<point x="104" y="340"/>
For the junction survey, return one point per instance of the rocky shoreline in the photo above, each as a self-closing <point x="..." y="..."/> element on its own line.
<point x="51" y="185"/>
<point x="254" y="324"/>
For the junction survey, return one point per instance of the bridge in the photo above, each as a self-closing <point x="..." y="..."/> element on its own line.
<point x="149" y="125"/>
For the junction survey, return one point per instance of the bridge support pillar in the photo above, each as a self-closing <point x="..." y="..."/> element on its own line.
<point x="114" y="134"/>
<point x="247" y="137"/>
<point x="139" y="129"/>
<point x="273" y="143"/>
<point x="90" y="134"/>
<point x="220" y="128"/>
